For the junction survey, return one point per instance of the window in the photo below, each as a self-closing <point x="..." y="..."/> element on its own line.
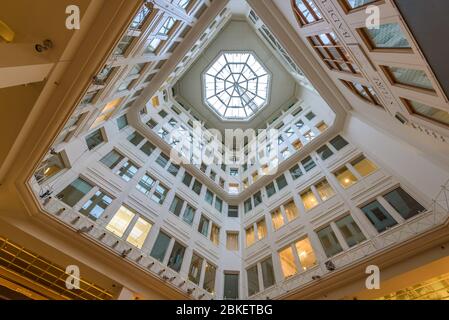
<point x="96" y="205"/>
<point x="366" y="93"/>
<point x="195" y="269"/>
<point x="257" y="198"/>
<point x="345" y="177"/>
<point x="324" y="152"/>
<point x="305" y="253"/>
<point x="277" y="219"/>
<point x="197" y="187"/>
<point x="123" y="45"/>
<point x="295" y="172"/>
<point x="160" y="246"/>
<point x="135" y="138"/>
<point x="209" y="278"/>
<point x="189" y="214"/>
<point x="248" y="205"/>
<point x="354" y="4"/>
<point x="162" y="160"/>
<point x="322" y="126"/>
<point x="329" y="241"/>
<point x="187" y="179"/>
<point x="231" y="286"/>
<point x="387" y="36"/>
<point x="127" y="171"/>
<point x="363" y="166"/>
<point x="233" y="172"/>
<point x="209" y="197"/>
<point x="233" y="211"/>
<point x="145" y="184"/>
<point x="159" y="194"/>
<point x="428" y="112"/>
<point x="288" y="265"/>
<point x="309" y="200"/>
<point x="167" y="26"/>
<point x="253" y="280"/>
<point x="74" y="192"/>
<point x="94" y="139"/>
<point x="120" y="221"/>
<point x="49" y="167"/>
<point x="408" y="77"/>
<point x="139" y="233"/>
<point x="176" y="257"/>
<point x="325" y="190"/>
<point x="112" y="159"/>
<point x="333" y="54"/>
<point x="122" y="122"/>
<point x="173" y="169"/>
<point x="270" y="189"/>
<point x="250" y="236"/>
<point x="153" y="45"/>
<point x="291" y="211"/>
<point x="268" y="279"/>
<point x="350" y="231"/>
<point x="306" y="11"/>
<point x="232" y="241"/>
<point x="297" y="144"/>
<point x="218" y="204"/>
<point x="203" y="226"/>
<point x="338" y="143"/>
<point x="176" y="206"/>
<point x="140" y="17"/>
<point x="281" y="182"/>
<point x="308" y="164"/>
<point x="236" y="86"/>
<point x="147" y="148"/>
<point x="403" y="203"/>
<point x="215" y="234"/>
<point x="261" y="229"/>
<point x="378" y="216"/>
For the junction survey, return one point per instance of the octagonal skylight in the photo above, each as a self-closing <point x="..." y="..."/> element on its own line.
<point x="236" y="85"/>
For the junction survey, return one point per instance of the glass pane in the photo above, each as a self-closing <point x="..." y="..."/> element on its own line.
<point x="403" y="203"/>
<point x="253" y="280"/>
<point x="96" y="205"/>
<point x="176" y="257"/>
<point x="261" y="229"/>
<point x="139" y="233"/>
<point x="160" y="246"/>
<point x="378" y="216"/>
<point x="429" y="112"/>
<point x="120" y="221"/>
<point x="338" y="143"/>
<point x="345" y="177"/>
<point x="250" y="236"/>
<point x="324" y="152"/>
<point x="288" y="264"/>
<point x="309" y="200"/>
<point x="277" y="219"/>
<point x="358" y="3"/>
<point x="410" y="77"/>
<point x="231" y="286"/>
<point x="74" y="192"/>
<point x="305" y="253"/>
<point x="209" y="278"/>
<point x="267" y="273"/>
<point x="350" y="231"/>
<point x="196" y="266"/>
<point x="232" y="241"/>
<point x="112" y="159"/>
<point x="325" y="190"/>
<point x="329" y="241"/>
<point x="291" y="211"/>
<point x="387" y="36"/>
<point x="364" y="166"/>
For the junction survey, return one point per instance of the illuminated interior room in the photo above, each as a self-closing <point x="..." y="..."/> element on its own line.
<point x="111" y="165"/>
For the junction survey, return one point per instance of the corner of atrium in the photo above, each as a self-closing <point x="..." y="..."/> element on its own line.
<point x="223" y="150"/>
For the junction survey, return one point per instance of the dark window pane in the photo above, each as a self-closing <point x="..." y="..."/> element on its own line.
<point x="378" y="216"/>
<point x="160" y="246"/>
<point x="231" y="286"/>
<point x="403" y="203"/>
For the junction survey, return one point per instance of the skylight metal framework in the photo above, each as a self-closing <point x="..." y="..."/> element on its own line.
<point x="236" y="85"/>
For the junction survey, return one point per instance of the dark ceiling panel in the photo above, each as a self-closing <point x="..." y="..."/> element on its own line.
<point x="429" y="22"/>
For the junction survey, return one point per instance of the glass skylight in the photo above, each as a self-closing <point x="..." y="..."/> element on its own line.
<point x="236" y="85"/>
